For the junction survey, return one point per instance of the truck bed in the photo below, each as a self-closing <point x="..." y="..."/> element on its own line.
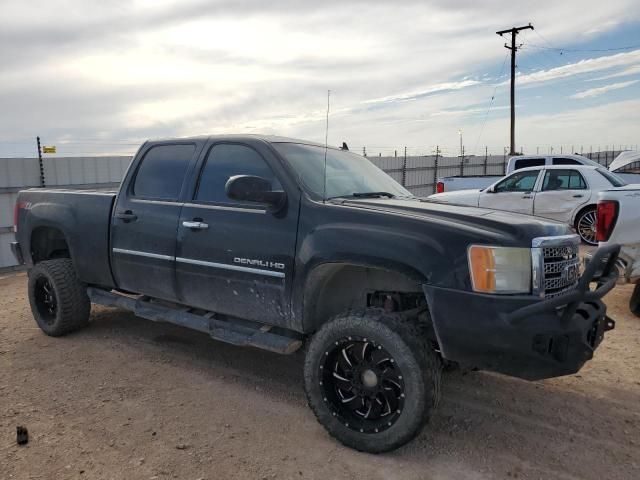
<point x="83" y="216"/>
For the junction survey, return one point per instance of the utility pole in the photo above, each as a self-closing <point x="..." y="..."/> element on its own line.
<point x="514" y="48"/>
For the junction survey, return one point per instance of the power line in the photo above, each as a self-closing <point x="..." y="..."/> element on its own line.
<point x="493" y="96"/>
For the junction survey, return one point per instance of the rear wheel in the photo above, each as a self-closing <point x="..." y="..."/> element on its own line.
<point x="634" y="303"/>
<point x="58" y="300"/>
<point x="586" y="225"/>
<point x="372" y="379"/>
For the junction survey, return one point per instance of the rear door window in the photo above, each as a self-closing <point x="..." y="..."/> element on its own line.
<point x="528" y="162"/>
<point x="162" y="171"/>
<point x="563" y="180"/>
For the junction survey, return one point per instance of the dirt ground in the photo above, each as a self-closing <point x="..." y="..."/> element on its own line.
<point x="127" y="398"/>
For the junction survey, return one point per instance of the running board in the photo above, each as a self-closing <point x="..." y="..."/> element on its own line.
<point x="237" y="332"/>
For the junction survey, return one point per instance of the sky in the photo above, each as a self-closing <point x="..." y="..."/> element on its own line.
<point x="101" y="77"/>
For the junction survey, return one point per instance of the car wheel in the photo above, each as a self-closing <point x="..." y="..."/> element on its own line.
<point x="59" y="301"/>
<point x="634" y="303"/>
<point x="586" y="226"/>
<point x="372" y="379"/>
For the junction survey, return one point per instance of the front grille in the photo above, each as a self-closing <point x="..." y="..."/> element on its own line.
<point x="561" y="269"/>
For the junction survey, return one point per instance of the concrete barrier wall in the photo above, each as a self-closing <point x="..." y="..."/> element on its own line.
<point x="77" y="172"/>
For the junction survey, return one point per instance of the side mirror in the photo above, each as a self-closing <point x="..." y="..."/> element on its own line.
<point x="250" y="188"/>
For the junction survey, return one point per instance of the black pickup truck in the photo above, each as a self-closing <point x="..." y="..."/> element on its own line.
<point x="276" y="243"/>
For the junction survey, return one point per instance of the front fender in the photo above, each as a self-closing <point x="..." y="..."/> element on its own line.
<point x="418" y="257"/>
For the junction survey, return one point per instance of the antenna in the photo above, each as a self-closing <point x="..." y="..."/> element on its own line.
<point x="326" y="146"/>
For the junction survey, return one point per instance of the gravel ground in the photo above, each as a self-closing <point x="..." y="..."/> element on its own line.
<point x="127" y="398"/>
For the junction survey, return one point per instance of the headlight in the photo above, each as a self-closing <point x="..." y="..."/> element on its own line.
<point x="500" y="269"/>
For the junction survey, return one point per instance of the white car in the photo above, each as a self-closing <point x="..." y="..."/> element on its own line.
<point x="567" y="193"/>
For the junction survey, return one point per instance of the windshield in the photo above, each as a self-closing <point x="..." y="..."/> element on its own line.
<point x="614" y="179"/>
<point x="347" y="173"/>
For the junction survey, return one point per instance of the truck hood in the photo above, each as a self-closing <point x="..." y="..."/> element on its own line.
<point x="482" y="223"/>
<point x="459" y="197"/>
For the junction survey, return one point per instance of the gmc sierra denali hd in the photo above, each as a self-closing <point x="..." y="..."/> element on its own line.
<point x="275" y="243"/>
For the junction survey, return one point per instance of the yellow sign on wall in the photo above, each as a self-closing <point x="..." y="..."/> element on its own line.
<point x="51" y="149"/>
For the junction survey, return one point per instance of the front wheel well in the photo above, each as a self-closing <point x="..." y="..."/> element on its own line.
<point x="335" y="288"/>
<point x="48" y="243"/>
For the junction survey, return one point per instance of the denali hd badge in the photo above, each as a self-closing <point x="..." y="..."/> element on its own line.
<point x="258" y="263"/>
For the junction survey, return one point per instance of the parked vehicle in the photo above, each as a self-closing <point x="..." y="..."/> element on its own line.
<point x="271" y="242"/>
<point x="619" y="223"/>
<point x="454" y="183"/>
<point x="626" y="163"/>
<point x="566" y="194"/>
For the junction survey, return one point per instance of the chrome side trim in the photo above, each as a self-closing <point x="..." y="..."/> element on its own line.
<point x="142" y="254"/>
<point x="223" y="207"/>
<point x="224" y="266"/>
<point x="155" y="202"/>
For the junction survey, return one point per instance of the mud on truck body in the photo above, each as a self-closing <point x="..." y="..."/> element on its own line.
<point x="277" y="243"/>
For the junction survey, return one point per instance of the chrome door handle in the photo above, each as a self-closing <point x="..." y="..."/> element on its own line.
<point x="126" y="216"/>
<point x="195" y="225"/>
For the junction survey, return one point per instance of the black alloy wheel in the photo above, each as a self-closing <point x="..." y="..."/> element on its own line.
<point x="45" y="300"/>
<point x="362" y="385"/>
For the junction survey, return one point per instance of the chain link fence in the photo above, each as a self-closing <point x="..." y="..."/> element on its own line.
<point x="419" y="174"/>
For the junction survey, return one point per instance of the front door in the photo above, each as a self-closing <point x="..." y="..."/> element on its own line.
<point x="562" y="192"/>
<point x="513" y="194"/>
<point x="145" y="221"/>
<point x="236" y="258"/>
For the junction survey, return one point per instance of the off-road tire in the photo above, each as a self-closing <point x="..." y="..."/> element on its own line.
<point x="405" y="340"/>
<point x="634" y="303"/>
<point x="72" y="302"/>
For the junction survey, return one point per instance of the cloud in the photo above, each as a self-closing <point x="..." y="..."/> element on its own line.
<point x="589" y="65"/>
<point x="409" y="72"/>
<point x="431" y="90"/>
<point x="595" y="92"/>
<point x="633" y="70"/>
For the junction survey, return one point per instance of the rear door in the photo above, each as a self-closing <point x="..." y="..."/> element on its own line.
<point x="562" y="192"/>
<point x="239" y="258"/>
<point x="513" y="194"/>
<point x="145" y="220"/>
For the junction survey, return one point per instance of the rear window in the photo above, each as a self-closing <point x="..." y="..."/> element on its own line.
<point x="615" y="180"/>
<point x="565" y="161"/>
<point x="162" y="171"/>
<point x="528" y="162"/>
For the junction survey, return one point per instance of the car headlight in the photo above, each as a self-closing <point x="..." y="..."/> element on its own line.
<point x="500" y="269"/>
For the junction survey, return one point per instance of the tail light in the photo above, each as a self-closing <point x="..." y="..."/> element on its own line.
<point x="607" y="216"/>
<point x="439" y="187"/>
